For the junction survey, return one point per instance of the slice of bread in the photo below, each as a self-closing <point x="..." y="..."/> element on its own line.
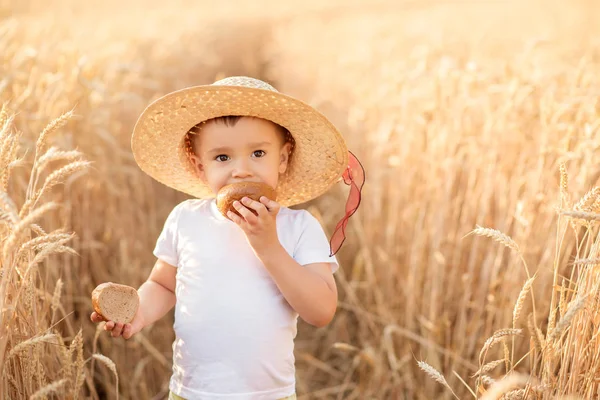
<point x="115" y="302"/>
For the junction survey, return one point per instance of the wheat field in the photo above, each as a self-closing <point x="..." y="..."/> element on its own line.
<point x="472" y="269"/>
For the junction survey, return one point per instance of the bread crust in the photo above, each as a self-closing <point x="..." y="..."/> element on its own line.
<point x="235" y="191"/>
<point x="96" y="298"/>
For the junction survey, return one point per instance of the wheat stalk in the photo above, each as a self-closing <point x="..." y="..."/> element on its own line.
<point x="77" y="346"/>
<point x="47" y="338"/>
<point x="516" y="394"/>
<point x="562" y="300"/>
<point x="497" y="337"/>
<point x="9" y="207"/>
<point x="111" y="365"/>
<point x="12" y="381"/>
<point x="8" y="155"/>
<point x="25" y="223"/>
<point x="45" y="252"/>
<point x="588" y="216"/>
<point x="586" y="203"/>
<point x="497" y="236"/>
<point x="52" y="127"/>
<point x="595" y="206"/>
<point x="53" y="154"/>
<point x="52" y="180"/>
<point x="66" y="363"/>
<point x="565" y="321"/>
<point x="5" y="218"/>
<point x="56" y="298"/>
<point x="564" y="184"/>
<point x="504" y="385"/>
<point x="521" y="299"/>
<point x="587" y="261"/>
<point x="435" y="375"/>
<point x="540" y="388"/>
<point x="5" y="120"/>
<point x="34" y="244"/>
<point x="487" y="380"/>
<point x="76" y="343"/>
<point x="536" y="334"/>
<point x="507" y="357"/>
<point x="38" y="229"/>
<point x="7" y="136"/>
<point x="54" y="387"/>
<point x="488" y="367"/>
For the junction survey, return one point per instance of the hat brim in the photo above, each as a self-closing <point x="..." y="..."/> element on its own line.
<point x="320" y="153"/>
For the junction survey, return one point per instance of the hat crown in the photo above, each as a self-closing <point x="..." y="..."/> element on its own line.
<point x="245" y="81"/>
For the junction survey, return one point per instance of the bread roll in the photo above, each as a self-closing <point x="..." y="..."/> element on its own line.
<point x="230" y="193"/>
<point x="114" y="302"/>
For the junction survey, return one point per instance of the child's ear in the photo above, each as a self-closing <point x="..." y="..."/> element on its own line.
<point x="284" y="157"/>
<point x="198" y="167"/>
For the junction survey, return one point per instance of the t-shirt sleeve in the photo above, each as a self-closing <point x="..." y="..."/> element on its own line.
<point x="166" y="244"/>
<point x="313" y="245"/>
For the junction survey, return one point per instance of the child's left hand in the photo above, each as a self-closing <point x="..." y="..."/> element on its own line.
<point x="260" y="228"/>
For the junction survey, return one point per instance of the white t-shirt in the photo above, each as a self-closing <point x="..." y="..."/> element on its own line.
<point x="234" y="330"/>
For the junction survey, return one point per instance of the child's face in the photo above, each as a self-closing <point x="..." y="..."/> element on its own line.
<point x="252" y="150"/>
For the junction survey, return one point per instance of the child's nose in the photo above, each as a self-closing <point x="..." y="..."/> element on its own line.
<point x="241" y="170"/>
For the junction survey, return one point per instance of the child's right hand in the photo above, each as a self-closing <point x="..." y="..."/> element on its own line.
<point x="120" y="329"/>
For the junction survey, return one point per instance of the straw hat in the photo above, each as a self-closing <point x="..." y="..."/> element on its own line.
<point x="320" y="155"/>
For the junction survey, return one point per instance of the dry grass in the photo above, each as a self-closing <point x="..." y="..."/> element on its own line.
<point x="463" y="127"/>
<point x="30" y="344"/>
<point x="565" y="360"/>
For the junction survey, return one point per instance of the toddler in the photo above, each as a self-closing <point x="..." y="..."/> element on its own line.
<point x="239" y="281"/>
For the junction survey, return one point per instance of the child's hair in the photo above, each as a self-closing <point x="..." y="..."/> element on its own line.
<point x="231" y="120"/>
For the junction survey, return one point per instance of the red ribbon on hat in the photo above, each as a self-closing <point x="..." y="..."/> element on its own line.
<point x="354" y="176"/>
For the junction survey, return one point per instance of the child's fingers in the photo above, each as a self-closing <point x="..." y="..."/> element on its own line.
<point x="117" y="330"/>
<point x="255" y="205"/>
<point x="234" y="217"/>
<point x="245" y="212"/>
<point x="127" y="331"/>
<point x="95" y="317"/>
<point x="109" y="325"/>
<point x="271" y="205"/>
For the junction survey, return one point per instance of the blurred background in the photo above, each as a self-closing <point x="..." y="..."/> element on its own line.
<point x="462" y="113"/>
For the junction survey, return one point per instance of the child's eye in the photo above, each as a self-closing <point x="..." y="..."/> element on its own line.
<point x="222" y="158"/>
<point x="259" y="153"/>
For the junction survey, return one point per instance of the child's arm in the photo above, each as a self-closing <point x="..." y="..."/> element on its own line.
<point x="157" y="297"/>
<point x="309" y="289"/>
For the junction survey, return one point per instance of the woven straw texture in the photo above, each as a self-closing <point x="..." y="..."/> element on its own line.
<point x="320" y="155"/>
